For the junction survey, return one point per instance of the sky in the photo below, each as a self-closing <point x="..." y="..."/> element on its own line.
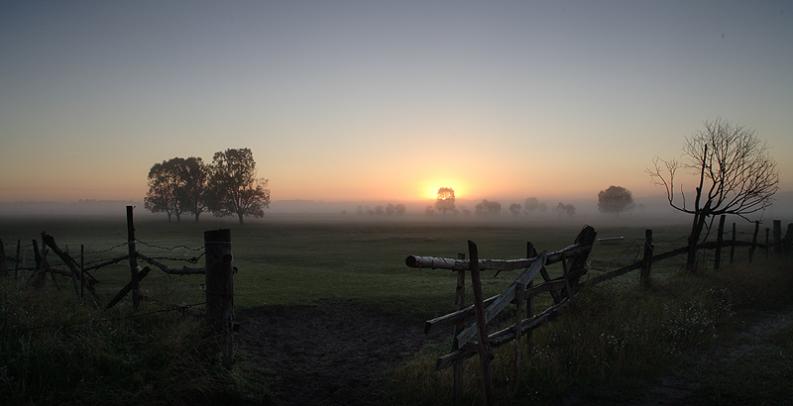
<point x="377" y="100"/>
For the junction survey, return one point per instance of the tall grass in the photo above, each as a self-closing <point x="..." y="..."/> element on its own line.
<point x="611" y="340"/>
<point x="55" y="351"/>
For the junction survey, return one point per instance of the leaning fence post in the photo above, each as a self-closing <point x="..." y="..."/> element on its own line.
<point x="777" y="236"/>
<point x="133" y="260"/>
<point x="647" y="260"/>
<point x="220" y="289"/>
<point x="732" y="244"/>
<point x="754" y="241"/>
<point x="719" y="242"/>
<point x="457" y="372"/>
<point x="484" y="347"/>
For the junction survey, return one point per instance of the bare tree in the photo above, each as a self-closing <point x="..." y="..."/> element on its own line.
<point x="445" y="200"/>
<point x="735" y="175"/>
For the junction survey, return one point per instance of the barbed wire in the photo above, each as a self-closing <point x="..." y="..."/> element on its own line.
<point x="164" y="248"/>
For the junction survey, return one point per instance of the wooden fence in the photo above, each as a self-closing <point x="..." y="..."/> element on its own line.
<point x="472" y="322"/>
<point x="218" y="270"/>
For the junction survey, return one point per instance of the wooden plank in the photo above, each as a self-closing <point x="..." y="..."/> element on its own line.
<point x="500" y="337"/>
<point x="69" y="261"/>
<point x="456" y="316"/>
<point x="613" y="274"/>
<point x="107" y="263"/>
<point x="483" y="346"/>
<point x="128" y="287"/>
<point x="504" y="299"/>
<point x="428" y="262"/>
<point x="173" y="271"/>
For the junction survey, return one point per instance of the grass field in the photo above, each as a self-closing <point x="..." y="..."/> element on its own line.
<point x="629" y="333"/>
<point x="291" y="263"/>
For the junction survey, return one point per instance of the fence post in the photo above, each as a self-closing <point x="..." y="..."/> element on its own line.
<point x="3" y="267"/>
<point x="777" y="236"/>
<point x="754" y="241"/>
<point x="38" y="277"/>
<point x="82" y="271"/>
<point x="16" y="264"/>
<point x="484" y="345"/>
<point x="133" y="260"/>
<point x="647" y="261"/>
<point x="732" y="245"/>
<point x="459" y="301"/>
<point x="530" y="253"/>
<point x="719" y="242"/>
<point x="767" y="242"/>
<point x="787" y="242"/>
<point x="220" y="289"/>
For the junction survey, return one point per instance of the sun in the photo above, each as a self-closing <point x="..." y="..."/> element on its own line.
<point x="429" y="189"/>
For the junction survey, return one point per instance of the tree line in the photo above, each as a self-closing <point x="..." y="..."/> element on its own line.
<point x="228" y="186"/>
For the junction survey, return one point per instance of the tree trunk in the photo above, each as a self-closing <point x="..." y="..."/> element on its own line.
<point x="178" y="217"/>
<point x="196" y="216"/>
<point x="169" y="217"/>
<point x="239" y="214"/>
<point x="693" y="240"/>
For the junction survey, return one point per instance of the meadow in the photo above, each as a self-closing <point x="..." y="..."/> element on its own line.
<point x="329" y="310"/>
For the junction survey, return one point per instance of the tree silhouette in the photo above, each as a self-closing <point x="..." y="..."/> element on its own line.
<point x="566" y="209"/>
<point x="735" y="175"/>
<point x="164" y="182"/>
<point x="515" y="209"/>
<point x="487" y="207"/>
<point x="233" y="186"/>
<point x="445" y="200"/>
<point x="615" y="199"/>
<point x="191" y="193"/>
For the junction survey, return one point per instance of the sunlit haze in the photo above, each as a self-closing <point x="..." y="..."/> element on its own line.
<point x="346" y="101"/>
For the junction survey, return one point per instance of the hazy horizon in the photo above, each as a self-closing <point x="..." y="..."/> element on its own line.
<point x="361" y="101"/>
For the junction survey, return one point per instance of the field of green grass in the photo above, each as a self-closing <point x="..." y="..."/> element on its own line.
<point x="615" y="334"/>
<point x="294" y="263"/>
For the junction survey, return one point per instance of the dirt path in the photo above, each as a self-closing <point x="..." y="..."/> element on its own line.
<point x="682" y="388"/>
<point x="333" y="353"/>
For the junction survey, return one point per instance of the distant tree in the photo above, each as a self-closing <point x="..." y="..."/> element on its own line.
<point x="191" y="192"/>
<point x="378" y="210"/>
<point x="164" y="182"/>
<point x="359" y="210"/>
<point x="735" y="175"/>
<point x="615" y="199"/>
<point x="430" y="211"/>
<point x="515" y="209"/>
<point x="486" y="207"/>
<point x="445" y="200"/>
<point x="399" y="209"/>
<point x="531" y="205"/>
<point x="566" y="209"/>
<point x="233" y="186"/>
